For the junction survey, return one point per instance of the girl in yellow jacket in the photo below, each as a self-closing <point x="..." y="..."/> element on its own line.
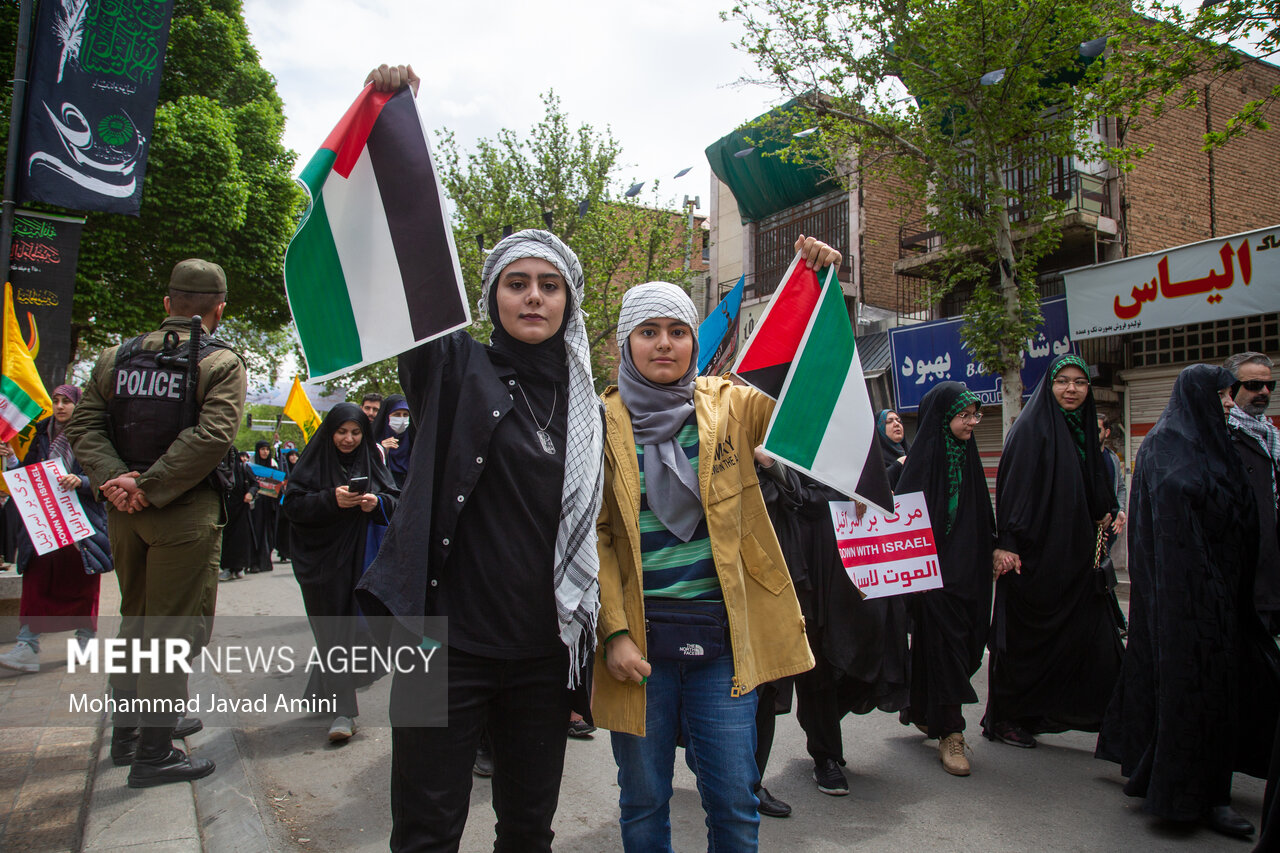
<point x="696" y="605"/>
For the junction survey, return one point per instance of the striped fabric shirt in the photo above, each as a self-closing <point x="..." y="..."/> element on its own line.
<point x="671" y="568"/>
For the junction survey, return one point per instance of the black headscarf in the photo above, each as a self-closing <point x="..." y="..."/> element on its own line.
<point x="398" y="459"/>
<point x="891" y="451"/>
<point x="1044" y="455"/>
<point x="257" y="459"/>
<point x="543" y="361"/>
<point x="322" y="467"/>
<point x="947" y="470"/>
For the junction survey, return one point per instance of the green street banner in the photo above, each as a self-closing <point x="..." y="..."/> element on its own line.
<point x="91" y="105"/>
<point x="372" y="270"/>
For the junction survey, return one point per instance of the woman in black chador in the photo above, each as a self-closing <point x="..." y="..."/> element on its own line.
<point x="892" y="440"/>
<point x="1197" y="699"/>
<point x="329" y="525"/>
<point x="1055" y="651"/>
<point x="237" y="533"/>
<point x="263" y="514"/>
<point x="950" y="624"/>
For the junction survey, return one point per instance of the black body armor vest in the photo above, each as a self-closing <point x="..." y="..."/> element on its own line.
<point x="149" y="405"/>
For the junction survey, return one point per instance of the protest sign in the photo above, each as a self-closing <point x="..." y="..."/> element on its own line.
<point x="53" y="515"/>
<point x="269" y="480"/>
<point x="888" y="554"/>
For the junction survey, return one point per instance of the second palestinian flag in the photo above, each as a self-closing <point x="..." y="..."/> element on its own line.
<point x="823" y="424"/>
<point x="372" y="270"/>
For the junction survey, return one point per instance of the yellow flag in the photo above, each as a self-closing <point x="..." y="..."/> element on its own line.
<point x="24" y="402"/>
<point x="299" y="409"/>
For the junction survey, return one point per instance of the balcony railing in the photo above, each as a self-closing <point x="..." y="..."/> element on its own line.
<point x="826" y="218"/>
<point x="1078" y="191"/>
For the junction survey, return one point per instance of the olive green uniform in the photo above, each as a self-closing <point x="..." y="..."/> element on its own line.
<point x="166" y="556"/>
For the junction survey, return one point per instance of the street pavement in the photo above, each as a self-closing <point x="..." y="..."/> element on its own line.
<point x="283" y="787"/>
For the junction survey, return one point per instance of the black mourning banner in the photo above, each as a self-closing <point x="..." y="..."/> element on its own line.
<point x="43" y="272"/>
<point x="95" y="78"/>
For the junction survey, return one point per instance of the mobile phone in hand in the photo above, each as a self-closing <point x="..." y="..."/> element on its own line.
<point x="358" y="485"/>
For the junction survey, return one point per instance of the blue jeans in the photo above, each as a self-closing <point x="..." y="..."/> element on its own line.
<point x="32" y="639"/>
<point x="720" y="742"/>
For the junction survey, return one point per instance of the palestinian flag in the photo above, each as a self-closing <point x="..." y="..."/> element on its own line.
<point x="767" y="356"/>
<point x="823" y="424"/>
<point x="23" y="398"/>
<point x="372" y="270"/>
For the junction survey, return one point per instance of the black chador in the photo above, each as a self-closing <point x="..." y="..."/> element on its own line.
<point x="949" y="624"/>
<point x="1055" y="650"/>
<point x="1197" y="699"/>
<point x="328" y="543"/>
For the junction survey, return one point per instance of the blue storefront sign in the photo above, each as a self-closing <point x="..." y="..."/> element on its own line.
<point x="926" y="354"/>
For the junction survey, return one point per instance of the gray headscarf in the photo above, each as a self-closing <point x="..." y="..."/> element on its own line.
<point x="658" y="411"/>
<point x="577" y="565"/>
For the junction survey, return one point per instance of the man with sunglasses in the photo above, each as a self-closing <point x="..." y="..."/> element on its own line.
<point x="1257" y="441"/>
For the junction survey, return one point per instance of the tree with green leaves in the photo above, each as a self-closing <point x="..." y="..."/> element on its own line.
<point x="561" y="178"/>
<point x="989" y="96"/>
<point x="218" y="185"/>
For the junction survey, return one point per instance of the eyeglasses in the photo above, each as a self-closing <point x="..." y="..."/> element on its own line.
<point x="1063" y="382"/>
<point x="976" y="417"/>
<point x="1256" y="385"/>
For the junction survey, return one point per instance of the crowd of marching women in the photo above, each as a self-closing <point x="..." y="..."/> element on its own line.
<point x="632" y="560"/>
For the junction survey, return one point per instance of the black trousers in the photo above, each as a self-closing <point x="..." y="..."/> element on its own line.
<point x="524" y="705"/>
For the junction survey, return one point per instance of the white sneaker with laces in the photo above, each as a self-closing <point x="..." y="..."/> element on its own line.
<point x="21" y="658"/>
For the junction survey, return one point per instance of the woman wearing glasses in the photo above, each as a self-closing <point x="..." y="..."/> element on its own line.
<point x="1055" y="650"/>
<point x="950" y="623"/>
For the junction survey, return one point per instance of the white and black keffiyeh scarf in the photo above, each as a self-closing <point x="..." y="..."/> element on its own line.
<point x="1263" y="431"/>
<point x="577" y="565"/>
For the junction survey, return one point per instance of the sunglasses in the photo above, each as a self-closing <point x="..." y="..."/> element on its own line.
<point x="1256" y="385"/>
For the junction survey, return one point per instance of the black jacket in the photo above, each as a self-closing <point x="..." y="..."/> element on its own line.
<point x="456" y="399"/>
<point x="1258" y="467"/>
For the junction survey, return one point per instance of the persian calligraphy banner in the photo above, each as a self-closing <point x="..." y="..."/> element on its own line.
<point x="925" y="354"/>
<point x="42" y="267"/>
<point x="891" y="554"/>
<point x="95" y="78"/>
<point x="1216" y="279"/>
<point x="53" y="516"/>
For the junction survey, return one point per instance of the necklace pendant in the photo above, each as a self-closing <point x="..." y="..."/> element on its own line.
<point x="548" y="445"/>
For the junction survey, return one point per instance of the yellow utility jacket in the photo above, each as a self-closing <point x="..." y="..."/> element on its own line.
<point x="766" y="630"/>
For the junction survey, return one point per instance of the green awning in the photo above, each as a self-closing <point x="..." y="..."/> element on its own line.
<point x="763" y="185"/>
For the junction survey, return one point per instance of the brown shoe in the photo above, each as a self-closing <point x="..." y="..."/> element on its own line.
<point x="951" y="751"/>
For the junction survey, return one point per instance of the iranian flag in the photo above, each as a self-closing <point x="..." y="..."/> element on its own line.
<point x="372" y="270"/>
<point x="823" y="424"/>
<point x="23" y="398"/>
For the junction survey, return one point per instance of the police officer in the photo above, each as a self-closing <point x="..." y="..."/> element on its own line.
<point x="151" y="452"/>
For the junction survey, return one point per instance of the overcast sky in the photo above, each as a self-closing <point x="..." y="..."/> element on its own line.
<point x="660" y="73"/>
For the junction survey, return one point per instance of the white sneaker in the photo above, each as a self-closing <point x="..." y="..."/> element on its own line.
<point x="342" y="729"/>
<point x="22" y="658"/>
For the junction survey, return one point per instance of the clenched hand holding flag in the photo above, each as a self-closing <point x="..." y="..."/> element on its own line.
<point x="372" y="270"/>
<point x="803" y="354"/>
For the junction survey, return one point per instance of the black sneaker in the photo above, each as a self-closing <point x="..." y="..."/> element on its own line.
<point x="581" y="729"/>
<point x="830" y="777"/>
<point x="771" y="806"/>
<point x="1010" y="733"/>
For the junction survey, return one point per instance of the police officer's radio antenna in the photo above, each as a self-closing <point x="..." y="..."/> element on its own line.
<point x="171" y="355"/>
